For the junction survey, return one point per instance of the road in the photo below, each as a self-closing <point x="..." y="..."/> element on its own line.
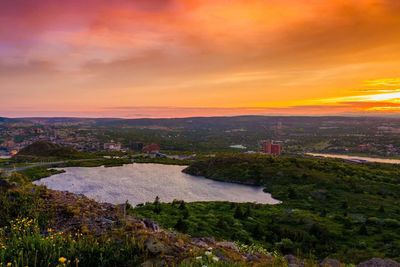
<point x="8" y="171"/>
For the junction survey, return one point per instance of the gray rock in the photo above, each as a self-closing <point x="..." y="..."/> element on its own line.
<point x="228" y="245"/>
<point x="151" y="225"/>
<point x="252" y="257"/>
<point x="154" y="263"/>
<point x="199" y="243"/>
<point x="293" y="261"/>
<point x="155" y="246"/>
<point x="4" y="183"/>
<point x="376" y="262"/>
<point x="330" y="263"/>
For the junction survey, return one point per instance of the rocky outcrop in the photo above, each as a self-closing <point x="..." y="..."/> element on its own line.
<point x="330" y="263"/>
<point x="376" y="262"/>
<point x="77" y="213"/>
<point x="293" y="261"/>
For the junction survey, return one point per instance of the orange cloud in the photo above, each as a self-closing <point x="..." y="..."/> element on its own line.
<point x="286" y="55"/>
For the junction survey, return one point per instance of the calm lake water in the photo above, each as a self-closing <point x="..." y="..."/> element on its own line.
<point x="356" y="158"/>
<point x="139" y="183"/>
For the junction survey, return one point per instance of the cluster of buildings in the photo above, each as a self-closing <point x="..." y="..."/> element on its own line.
<point x="133" y="146"/>
<point x="13" y="139"/>
<point x="271" y="147"/>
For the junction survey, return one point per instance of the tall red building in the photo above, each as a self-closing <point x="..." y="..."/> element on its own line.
<point x="270" y="148"/>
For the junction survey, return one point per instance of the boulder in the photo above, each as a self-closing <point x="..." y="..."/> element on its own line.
<point x="198" y="242"/>
<point x="228" y="245"/>
<point x="377" y="262"/>
<point x="4" y="183"/>
<point x="293" y="261"/>
<point x="330" y="263"/>
<point x="155" y="246"/>
<point x="151" y="225"/>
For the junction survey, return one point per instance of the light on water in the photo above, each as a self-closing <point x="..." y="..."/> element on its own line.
<point x="139" y="183"/>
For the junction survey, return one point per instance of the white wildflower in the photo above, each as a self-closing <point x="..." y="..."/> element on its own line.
<point x="215" y="258"/>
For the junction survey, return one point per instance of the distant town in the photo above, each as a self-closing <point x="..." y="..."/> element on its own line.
<point x="250" y="134"/>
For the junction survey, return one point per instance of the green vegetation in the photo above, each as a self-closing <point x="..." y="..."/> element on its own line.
<point x="97" y="162"/>
<point x="36" y="173"/>
<point x="166" y="161"/>
<point x="330" y="207"/>
<point x="22" y="244"/>
<point x="41" y="227"/>
<point x="44" y="149"/>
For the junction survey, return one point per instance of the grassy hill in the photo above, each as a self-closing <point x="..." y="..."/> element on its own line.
<point x="44" y="149"/>
<point x="330" y="208"/>
<point x="41" y="227"/>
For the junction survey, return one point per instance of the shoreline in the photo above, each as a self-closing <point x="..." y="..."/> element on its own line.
<point x="356" y="159"/>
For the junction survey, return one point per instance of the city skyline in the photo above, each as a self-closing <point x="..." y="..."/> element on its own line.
<point x="170" y="58"/>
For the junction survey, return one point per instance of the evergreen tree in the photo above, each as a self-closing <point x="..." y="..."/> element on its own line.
<point x="157" y="205"/>
<point x="181" y="225"/>
<point x="185" y="213"/>
<point x="222" y="224"/>
<point x="238" y="212"/>
<point x="182" y="205"/>
<point x="363" y="230"/>
<point x="292" y="193"/>
<point x="247" y="213"/>
<point x="381" y="209"/>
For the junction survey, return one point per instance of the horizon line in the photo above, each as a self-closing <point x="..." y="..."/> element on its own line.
<point x="211" y="116"/>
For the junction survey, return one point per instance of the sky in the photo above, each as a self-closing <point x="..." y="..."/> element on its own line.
<point x="171" y="58"/>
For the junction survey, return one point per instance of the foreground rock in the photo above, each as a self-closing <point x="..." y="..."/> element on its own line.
<point x="376" y="262"/>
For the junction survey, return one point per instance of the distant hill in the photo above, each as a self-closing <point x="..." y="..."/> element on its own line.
<point x="5" y="120"/>
<point x="47" y="149"/>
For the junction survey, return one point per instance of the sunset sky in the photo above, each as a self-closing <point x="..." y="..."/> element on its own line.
<point x="170" y="58"/>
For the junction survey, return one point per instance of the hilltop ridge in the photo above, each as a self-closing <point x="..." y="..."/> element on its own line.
<point x="47" y="149"/>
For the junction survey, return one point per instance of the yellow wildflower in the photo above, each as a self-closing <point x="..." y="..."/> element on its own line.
<point x="62" y="260"/>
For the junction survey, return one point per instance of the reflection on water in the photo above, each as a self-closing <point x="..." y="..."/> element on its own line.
<point x="139" y="183"/>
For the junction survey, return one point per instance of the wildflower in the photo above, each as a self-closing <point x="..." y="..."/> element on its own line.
<point x="9" y="264"/>
<point x="215" y="258"/>
<point x="199" y="258"/>
<point x="62" y="260"/>
<point x="208" y="253"/>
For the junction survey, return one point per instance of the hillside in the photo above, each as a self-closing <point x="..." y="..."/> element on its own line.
<point x="44" y="149"/>
<point x="41" y="227"/>
<point x="330" y="207"/>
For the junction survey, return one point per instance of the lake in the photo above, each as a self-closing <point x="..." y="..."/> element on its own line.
<point x="139" y="183"/>
<point x="356" y="158"/>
